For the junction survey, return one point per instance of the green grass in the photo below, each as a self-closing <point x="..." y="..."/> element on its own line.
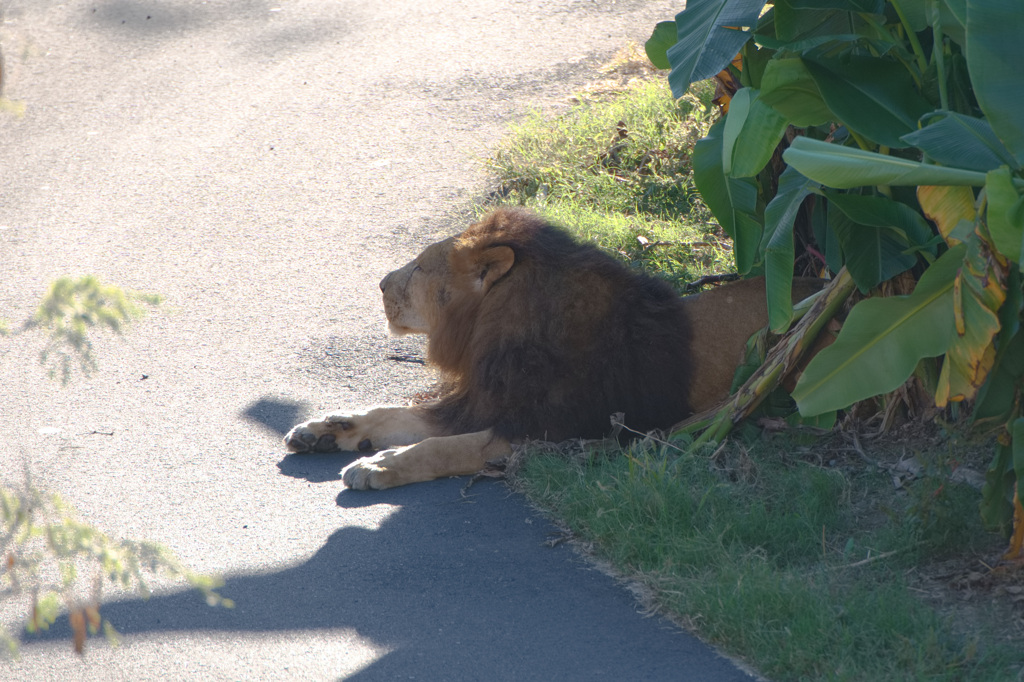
<point x="772" y="558"/>
<point x="805" y="571"/>
<point x="627" y="154"/>
<point x="617" y="172"/>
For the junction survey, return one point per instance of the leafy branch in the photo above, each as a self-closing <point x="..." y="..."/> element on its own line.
<point x="74" y="307"/>
<point x="46" y="553"/>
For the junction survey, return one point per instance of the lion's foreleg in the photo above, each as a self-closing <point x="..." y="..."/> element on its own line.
<point x="432" y="458"/>
<point x="383" y="427"/>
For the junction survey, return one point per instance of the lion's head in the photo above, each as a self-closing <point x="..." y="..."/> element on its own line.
<point x="438" y="293"/>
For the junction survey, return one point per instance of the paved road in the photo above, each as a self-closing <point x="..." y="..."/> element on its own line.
<point x="261" y="164"/>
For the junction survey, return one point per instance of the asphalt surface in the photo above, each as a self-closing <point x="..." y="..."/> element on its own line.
<point x="261" y="164"/>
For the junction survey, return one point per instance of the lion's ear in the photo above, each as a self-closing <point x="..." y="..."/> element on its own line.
<point x="493" y="264"/>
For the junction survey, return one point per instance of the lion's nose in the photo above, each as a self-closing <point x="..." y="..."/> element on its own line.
<point x="384" y="282"/>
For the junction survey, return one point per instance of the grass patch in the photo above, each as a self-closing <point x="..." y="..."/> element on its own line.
<point x="805" y="568"/>
<point x="800" y="569"/>
<point x="617" y="172"/>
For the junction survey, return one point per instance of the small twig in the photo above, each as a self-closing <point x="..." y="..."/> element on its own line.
<point x="557" y="538"/>
<point x="717" y="452"/>
<point x="464" y="490"/>
<point x="407" y="358"/>
<point x="860" y="451"/>
<point x="711" y="279"/>
<point x="863" y="562"/>
<point x="650" y="435"/>
<point x="816" y="254"/>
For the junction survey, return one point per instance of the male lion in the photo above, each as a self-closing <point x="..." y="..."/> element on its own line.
<point x="537" y="336"/>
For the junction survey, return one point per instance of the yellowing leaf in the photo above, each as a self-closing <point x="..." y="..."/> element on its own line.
<point x="947" y="205"/>
<point x="978" y="294"/>
<point x="726" y="85"/>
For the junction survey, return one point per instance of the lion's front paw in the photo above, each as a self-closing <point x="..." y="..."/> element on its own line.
<point x="371" y="473"/>
<point x="332" y="433"/>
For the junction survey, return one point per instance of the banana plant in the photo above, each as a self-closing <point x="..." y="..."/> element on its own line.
<point x="903" y="138"/>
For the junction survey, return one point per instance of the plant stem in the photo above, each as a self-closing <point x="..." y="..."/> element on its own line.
<point x="861" y="141"/>
<point x="922" y="63"/>
<point x="938" y="51"/>
<point x="884" y="189"/>
<point x="782" y="359"/>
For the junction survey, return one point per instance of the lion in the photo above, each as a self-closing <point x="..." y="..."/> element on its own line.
<point x="537" y="336"/>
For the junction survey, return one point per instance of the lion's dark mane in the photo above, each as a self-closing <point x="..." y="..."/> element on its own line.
<point x="562" y="341"/>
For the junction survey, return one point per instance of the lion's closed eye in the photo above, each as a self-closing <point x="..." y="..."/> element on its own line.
<point x="412" y="273"/>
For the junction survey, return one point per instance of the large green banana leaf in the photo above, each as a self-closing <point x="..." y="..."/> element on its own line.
<point x="708" y="39"/>
<point x="882" y="341"/>
<point x="1005" y="214"/>
<point x="960" y="141"/>
<point x="845" y="167"/>
<point x="733" y="201"/>
<point x="995" y="53"/>
<point x="872" y="96"/>
<point x="752" y="132"/>
<point x="779" y="217"/>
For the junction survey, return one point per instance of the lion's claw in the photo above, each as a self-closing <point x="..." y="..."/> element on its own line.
<point x="358" y="475"/>
<point x="326" y="443"/>
<point x="302" y="439"/>
<point x="344" y="421"/>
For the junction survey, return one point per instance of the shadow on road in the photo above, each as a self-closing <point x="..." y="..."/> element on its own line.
<point x="270" y="30"/>
<point x="316" y="468"/>
<point x="456" y="585"/>
<point x="277" y="415"/>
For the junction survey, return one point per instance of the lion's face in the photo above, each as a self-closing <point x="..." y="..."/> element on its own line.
<point x="454" y="272"/>
<point x="414" y="292"/>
